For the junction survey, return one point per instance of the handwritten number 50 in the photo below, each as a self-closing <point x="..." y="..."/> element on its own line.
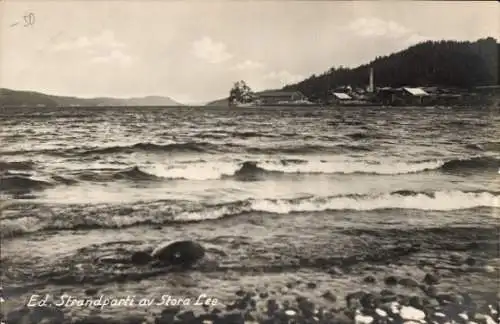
<point x="29" y="19"/>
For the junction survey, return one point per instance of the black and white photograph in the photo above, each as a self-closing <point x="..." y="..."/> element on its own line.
<point x="249" y="162"/>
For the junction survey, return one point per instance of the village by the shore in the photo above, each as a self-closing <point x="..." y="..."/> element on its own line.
<point x="371" y="95"/>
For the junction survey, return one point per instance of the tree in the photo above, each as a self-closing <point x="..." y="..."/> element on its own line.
<point x="240" y="93"/>
<point x="235" y="93"/>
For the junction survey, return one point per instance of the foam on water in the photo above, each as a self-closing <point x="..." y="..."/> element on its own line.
<point x="349" y="166"/>
<point x="441" y="200"/>
<point x="32" y="218"/>
<point x="213" y="170"/>
<point x="194" y="171"/>
<point x="217" y="169"/>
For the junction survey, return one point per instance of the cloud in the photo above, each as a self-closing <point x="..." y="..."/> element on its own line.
<point x="100" y="48"/>
<point x="372" y="27"/>
<point x="211" y="51"/>
<point x="283" y="76"/>
<point x="248" y="65"/>
<point x="378" y="28"/>
<point x="115" y="56"/>
<point x="105" y="40"/>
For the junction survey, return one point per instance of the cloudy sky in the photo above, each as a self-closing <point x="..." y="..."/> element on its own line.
<point x="193" y="51"/>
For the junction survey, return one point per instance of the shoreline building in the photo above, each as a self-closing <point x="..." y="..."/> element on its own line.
<point x="281" y="97"/>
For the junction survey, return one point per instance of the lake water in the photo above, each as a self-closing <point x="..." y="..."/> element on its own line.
<point x="274" y="194"/>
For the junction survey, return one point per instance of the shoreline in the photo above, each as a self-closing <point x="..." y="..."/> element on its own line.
<point x="387" y="292"/>
<point x="376" y="303"/>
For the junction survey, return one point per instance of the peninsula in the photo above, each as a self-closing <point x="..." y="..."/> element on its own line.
<point x="14" y="98"/>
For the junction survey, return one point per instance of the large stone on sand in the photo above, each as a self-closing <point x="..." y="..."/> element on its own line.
<point x="184" y="253"/>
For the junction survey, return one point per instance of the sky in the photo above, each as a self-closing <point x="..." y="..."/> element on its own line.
<point x="193" y="51"/>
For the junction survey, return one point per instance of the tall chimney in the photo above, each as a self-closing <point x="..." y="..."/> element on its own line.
<point x="371" y="86"/>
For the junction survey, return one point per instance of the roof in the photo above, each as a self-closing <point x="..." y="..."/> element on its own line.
<point x="489" y="87"/>
<point x="279" y="93"/>
<point x="340" y="95"/>
<point x="416" y="91"/>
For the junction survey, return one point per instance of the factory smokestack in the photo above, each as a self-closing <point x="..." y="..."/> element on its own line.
<point x="371" y="87"/>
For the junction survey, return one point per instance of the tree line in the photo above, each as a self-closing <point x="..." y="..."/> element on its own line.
<point x="449" y="64"/>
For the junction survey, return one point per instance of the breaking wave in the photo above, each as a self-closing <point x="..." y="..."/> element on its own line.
<point x="482" y="164"/>
<point x="437" y="201"/>
<point x="245" y="171"/>
<point x="348" y="167"/>
<point x="255" y="170"/>
<point x="22" y="219"/>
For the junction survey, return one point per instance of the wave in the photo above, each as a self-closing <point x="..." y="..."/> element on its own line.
<point x="472" y="164"/>
<point x="310" y="149"/>
<point x="241" y="134"/>
<point x="437" y="201"/>
<point x="249" y="171"/>
<point x="134" y="173"/>
<point x="151" y="147"/>
<point x="261" y="170"/>
<point x="255" y="170"/>
<point x="483" y="164"/>
<point x="39" y="218"/>
<point x="258" y="170"/>
<point x="64" y="180"/>
<point x="492" y="146"/>
<point x="193" y="147"/>
<point x="16" y="165"/>
<point x="102" y="175"/>
<point x="350" y="167"/>
<point x="246" y="171"/>
<point x="198" y="147"/>
<point x="486" y="146"/>
<point x="21" y="183"/>
<point x="28" y="218"/>
<point x="359" y="136"/>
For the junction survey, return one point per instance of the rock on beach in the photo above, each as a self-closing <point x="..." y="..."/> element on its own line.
<point x="184" y="253"/>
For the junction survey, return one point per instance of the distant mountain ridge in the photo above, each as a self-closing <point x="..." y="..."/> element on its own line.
<point x="13" y="98"/>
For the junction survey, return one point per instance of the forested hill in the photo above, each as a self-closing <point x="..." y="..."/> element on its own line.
<point x="442" y="63"/>
<point x="32" y="99"/>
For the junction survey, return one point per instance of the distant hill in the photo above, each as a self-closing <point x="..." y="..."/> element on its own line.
<point x="220" y="102"/>
<point x="10" y="98"/>
<point x="443" y="63"/>
<point x="448" y="64"/>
